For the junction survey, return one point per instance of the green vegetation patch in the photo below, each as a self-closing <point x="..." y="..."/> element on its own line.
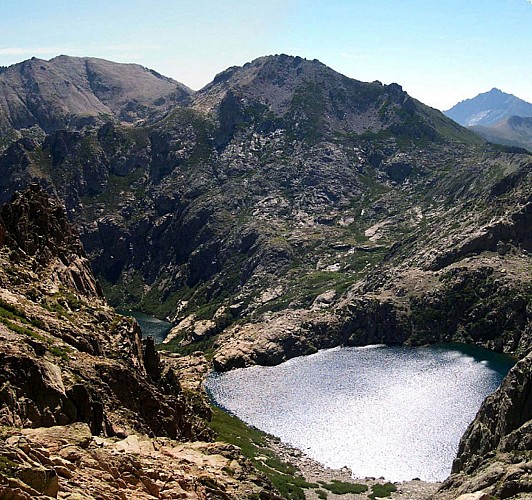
<point x="8" y="468"/>
<point x="10" y="311"/>
<point x="382" y="490"/>
<point x="206" y="346"/>
<point x="344" y="487"/>
<point x="23" y="330"/>
<point x="8" y="318"/>
<point x="252" y="443"/>
<point x="60" y="352"/>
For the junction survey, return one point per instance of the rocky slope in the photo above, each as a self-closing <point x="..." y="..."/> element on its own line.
<point x="288" y="208"/>
<point x="72" y="91"/>
<point x="513" y="131"/>
<point x="246" y="185"/>
<point x="495" y="454"/>
<point x="73" y="369"/>
<point x="355" y="220"/>
<point x="489" y="108"/>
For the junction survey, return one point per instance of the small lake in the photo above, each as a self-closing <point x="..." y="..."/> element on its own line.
<point x="150" y="325"/>
<point x="397" y="412"/>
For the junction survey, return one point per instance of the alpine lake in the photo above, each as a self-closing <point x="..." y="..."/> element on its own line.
<point x="382" y="411"/>
<point x="150" y="326"/>
<point x="397" y="412"/>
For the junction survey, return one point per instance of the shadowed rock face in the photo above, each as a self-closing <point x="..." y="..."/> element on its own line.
<point x="503" y="421"/>
<point x="495" y="451"/>
<point x="66" y="356"/>
<point x="35" y="226"/>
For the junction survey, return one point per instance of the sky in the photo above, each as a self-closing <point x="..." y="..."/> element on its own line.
<point x="440" y="51"/>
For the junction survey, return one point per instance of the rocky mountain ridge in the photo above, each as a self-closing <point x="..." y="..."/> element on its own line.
<point x="72" y="91"/>
<point x="513" y="131"/>
<point x="287" y="208"/>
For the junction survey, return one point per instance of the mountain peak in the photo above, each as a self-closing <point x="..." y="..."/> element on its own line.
<point x="488" y="108"/>
<point x="308" y="99"/>
<point x="67" y="90"/>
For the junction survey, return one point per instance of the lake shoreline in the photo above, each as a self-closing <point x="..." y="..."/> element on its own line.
<point x="397" y="412"/>
<point x="315" y="472"/>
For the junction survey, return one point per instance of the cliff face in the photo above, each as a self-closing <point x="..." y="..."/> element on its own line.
<point x="496" y="450"/>
<point x="35" y="227"/>
<point x="73" y="369"/>
<point x="62" y="343"/>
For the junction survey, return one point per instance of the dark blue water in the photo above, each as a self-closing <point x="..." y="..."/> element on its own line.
<point x="149" y="325"/>
<point x="397" y="412"/>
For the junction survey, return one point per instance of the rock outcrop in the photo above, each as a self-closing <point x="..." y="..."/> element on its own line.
<point x="68" y="462"/>
<point x="495" y="453"/>
<point x="86" y="408"/>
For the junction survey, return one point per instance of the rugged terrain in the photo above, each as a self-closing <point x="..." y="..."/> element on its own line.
<point x="286" y="208"/>
<point x="74" y="91"/>
<point x="88" y="410"/>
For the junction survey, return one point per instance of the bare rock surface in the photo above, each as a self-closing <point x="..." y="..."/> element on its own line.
<point x="68" y="462"/>
<point x="67" y="90"/>
<point x="88" y="410"/>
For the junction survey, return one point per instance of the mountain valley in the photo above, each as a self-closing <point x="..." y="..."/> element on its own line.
<point x="282" y="209"/>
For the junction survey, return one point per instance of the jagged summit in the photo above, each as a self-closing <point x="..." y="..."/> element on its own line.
<point x="489" y="108"/>
<point x="277" y="79"/>
<point x="309" y="99"/>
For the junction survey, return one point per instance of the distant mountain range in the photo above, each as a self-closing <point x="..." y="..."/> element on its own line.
<point x="512" y="131"/>
<point x="488" y="108"/>
<point x="497" y="117"/>
<point x="76" y="91"/>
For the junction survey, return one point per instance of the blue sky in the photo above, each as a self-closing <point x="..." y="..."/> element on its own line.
<point x="439" y="51"/>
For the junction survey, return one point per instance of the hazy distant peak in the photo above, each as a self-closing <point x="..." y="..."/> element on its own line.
<point x="510" y="131"/>
<point x="488" y="108"/>
<point x="68" y="90"/>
